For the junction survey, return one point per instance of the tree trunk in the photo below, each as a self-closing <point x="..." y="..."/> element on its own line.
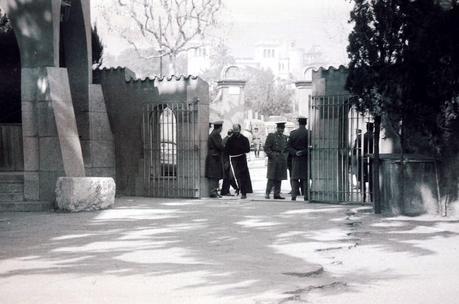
<point x="172" y="64"/>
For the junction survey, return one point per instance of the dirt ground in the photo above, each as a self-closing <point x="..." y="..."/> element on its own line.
<point x="227" y="251"/>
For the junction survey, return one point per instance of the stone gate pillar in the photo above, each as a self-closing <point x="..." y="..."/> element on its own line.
<point x="229" y="107"/>
<point x="303" y="93"/>
<point x="50" y="136"/>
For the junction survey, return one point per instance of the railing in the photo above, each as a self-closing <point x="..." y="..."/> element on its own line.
<point x="11" y="153"/>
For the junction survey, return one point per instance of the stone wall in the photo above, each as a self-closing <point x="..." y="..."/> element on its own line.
<point x="125" y="97"/>
<point x="329" y="81"/>
<point x="65" y="123"/>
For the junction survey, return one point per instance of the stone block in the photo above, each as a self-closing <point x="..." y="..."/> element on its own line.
<point x="46" y="121"/>
<point x="72" y="156"/>
<point x="65" y="121"/>
<point x="50" y="154"/>
<point x="99" y="126"/>
<point x="82" y="120"/>
<point x="31" y="186"/>
<point x="29" y="84"/>
<point x="86" y="150"/>
<point x="31" y="153"/>
<point x="102" y="154"/>
<point x="101" y="172"/>
<point x="47" y="184"/>
<point x="76" y="194"/>
<point x="96" y="99"/>
<point x="29" y="119"/>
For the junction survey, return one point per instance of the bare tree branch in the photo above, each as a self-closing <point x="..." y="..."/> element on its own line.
<point x="171" y="27"/>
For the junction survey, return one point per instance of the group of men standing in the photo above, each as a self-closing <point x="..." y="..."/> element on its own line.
<point x="226" y="159"/>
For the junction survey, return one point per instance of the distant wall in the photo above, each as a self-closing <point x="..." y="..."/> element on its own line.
<point x="329" y="81"/>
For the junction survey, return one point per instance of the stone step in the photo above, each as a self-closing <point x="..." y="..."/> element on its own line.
<point x="11" y="187"/>
<point x="11" y="177"/>
<point x="33" y="206"/>
<point x="11" y="197"/>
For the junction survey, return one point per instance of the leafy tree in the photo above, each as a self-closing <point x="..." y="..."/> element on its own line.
<point x="170" y="27"/>
<point x="97" y="48"/>
<point x="265" y="94"/>
<point x="404" y="68"/>
<point x="10" y="67"/>
<point x="219" y="59"/>
<point x="8" y="45"/>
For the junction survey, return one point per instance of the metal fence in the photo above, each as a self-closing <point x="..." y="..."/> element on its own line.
<point x="171" y="150"/>
<point x="340" y="164"/>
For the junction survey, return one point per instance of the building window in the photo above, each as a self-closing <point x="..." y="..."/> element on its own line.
<point x="200" y="52"/>
<point x="268" y="53"/>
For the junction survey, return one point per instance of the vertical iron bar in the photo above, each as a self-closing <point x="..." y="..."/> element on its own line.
<point x="145" y="150"/>
<point x="168" y="191"/>
<point x="158" y="150"/>
<point x="310" y="128"/>
<point x="149" y="156"/>
<point x="327" y="141"/>
<point x="194" y="150"/>
<point x="188" y="142"/>
<point x="179" y="147"/>
<point x="334" y="134"/>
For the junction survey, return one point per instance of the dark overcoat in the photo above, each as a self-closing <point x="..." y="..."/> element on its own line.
<point x="236" y="148"/>
<point x="276" y="149"/>
<point x="214" y="159"/>
<point x="298" y="142"/>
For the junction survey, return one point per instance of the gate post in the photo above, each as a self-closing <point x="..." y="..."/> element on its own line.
<point x="303" y="93"/>
<point x="230" y="105"/>
<point x="198" y="93"/>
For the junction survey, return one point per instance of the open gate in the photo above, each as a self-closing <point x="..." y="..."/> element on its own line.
<point x="340" y="156"/>
<point x="171" y="150"/>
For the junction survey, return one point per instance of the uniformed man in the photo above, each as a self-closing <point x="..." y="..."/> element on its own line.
<point x="276" y="149"/>
<point x="214" y="159"/>
<point x="298" y="150"/>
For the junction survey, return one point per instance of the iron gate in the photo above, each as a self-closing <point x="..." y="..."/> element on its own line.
<point x="340" y="158"/>
<point x="171" y="150"/>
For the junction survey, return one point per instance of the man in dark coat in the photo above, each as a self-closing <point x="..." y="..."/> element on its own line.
<point x="276" y="149"/>
<point x="214" y="159"/>
<point x="229" y="179"/>
<point x="236" y="147"/>
<point x="368" y="150"/>
<point x="298" y="150"/>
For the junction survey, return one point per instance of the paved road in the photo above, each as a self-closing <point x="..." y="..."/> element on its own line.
<point x="226" y="251"/>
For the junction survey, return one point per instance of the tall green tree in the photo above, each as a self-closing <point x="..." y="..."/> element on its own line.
<point x="404" y="69"/>
<point x="10" y="69"/>
<point x="97" y="48"/>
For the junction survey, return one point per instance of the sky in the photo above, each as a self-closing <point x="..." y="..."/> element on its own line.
<point x="308" y="22"/>
<point x="246" y="22"/>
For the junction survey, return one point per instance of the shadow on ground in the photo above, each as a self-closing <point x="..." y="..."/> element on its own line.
<point x="232" y="249"/>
